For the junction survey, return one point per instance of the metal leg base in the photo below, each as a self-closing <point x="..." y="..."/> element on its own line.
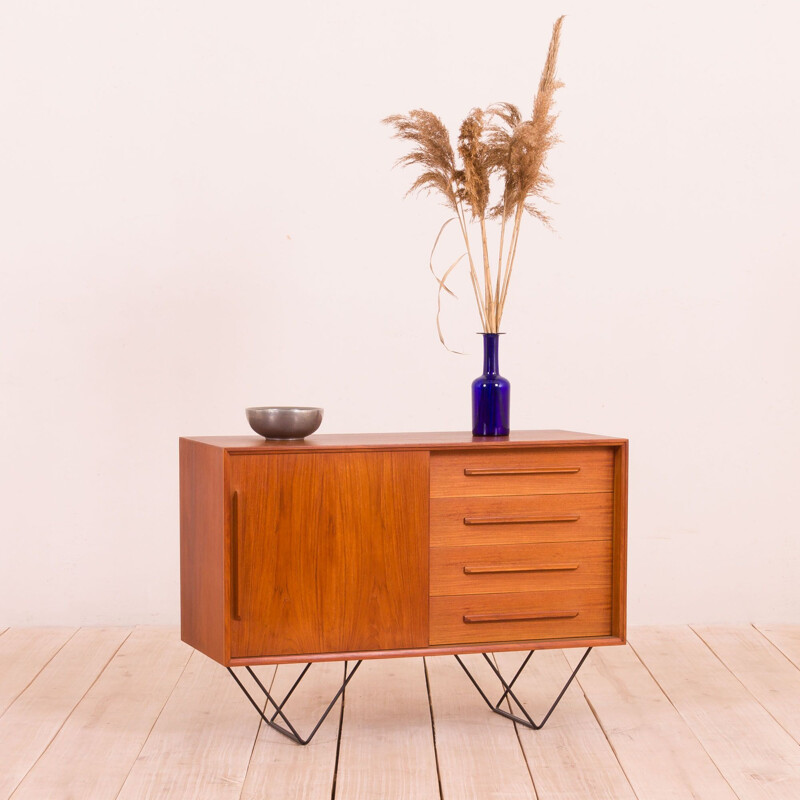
<point x="526" y="719"/>
<point x="289" y="731"/>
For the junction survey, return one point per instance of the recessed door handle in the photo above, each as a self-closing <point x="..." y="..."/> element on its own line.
<point x="235" y="556"/>
<point x="488" y="570"/>
<point x="483" y="472"/>
<point x="521" y="520"/>
<point x="471" y="618"/>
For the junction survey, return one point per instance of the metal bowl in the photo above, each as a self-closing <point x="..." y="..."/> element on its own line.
<point x="284" y="422"/>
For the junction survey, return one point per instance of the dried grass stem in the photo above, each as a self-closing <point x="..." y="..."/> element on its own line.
<point x="492" y="140"/>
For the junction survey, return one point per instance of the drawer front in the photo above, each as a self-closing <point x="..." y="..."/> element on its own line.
<point x="520" y="568"/>
<point x="522" y="519"/>
<point x="547" y="470"/>
<point x="524" y="616"/>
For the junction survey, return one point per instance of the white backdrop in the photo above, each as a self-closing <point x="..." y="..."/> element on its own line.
<point x="197" y="213"/>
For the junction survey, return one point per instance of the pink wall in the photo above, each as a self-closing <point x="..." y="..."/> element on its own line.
<point x="197" y="213"/>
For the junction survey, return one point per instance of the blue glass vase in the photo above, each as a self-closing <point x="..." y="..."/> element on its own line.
<point x="491" y="393"/>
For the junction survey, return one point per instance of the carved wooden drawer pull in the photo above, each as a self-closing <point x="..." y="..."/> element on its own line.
<point x="488" y="570"/>
<point x="522" y="520"/>
<point x="470" y="618"/>
<point x="484" y="471"/>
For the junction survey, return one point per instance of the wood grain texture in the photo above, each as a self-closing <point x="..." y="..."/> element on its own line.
<point x="333" y="552"/>
<point x="91" y="755"/>
<point x="570" y="758"/>
<point x="31" y="722"/>
<point x="387" y="724"/>
<point x="478" y="751"/>
<point x="531" y="470"/>
<point x="279" y="769"/>
<point x="23" y="654"/>
<point x="402" y="441"/>
<point x="519" y="568"/>
<point x="766" y="672"/>
<point x="203" y="574"/>
<point x="591" y="606"/>
<point x="594" y="512"/>
<point x="655" y="747"/>
<point x="756" y="755"/>
<point x="186" y="756"/>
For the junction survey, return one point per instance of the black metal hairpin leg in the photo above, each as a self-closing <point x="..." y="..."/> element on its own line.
<point x="527" y="721"/>
<point x="289" y="730"/>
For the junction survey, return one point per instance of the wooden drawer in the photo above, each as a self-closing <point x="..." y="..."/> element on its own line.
<point x="546" y="470"/>
<point x="520" y="568"/>
<point x="521" y="616"/>
<point x="522" y="519"/>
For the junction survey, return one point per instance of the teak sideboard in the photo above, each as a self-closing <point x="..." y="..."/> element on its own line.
<point x="369" y="546"/>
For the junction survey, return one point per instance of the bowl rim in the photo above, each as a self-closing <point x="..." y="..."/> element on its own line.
<point x="283" y="408"/>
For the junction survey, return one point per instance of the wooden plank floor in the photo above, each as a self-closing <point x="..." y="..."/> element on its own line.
<point x="682" y="712"/>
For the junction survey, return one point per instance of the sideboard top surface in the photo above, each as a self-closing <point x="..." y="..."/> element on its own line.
<point x="402" y="441"/>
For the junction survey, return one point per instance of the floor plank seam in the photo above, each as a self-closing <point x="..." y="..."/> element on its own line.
<point x="745" y="686"/>
<point x="66" y="719"/>
<point x="27" y="685"/>
<point x="776" y="646"/>
<point x="160" y="711"/>
<point x="596" y="715"/>
<point x="525" y="756"/>
<point x="433" y="727"/>
<point x="519" y="738"/>
<point x="255" y="738"/>
<point x="339" y="737"/>
<point x="686" y="721"/>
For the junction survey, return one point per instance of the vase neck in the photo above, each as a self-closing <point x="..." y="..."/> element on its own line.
<point x="491" y="361"/>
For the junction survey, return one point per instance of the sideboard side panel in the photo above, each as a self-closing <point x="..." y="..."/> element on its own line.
<point x="619" y="603"/>
<point x="202" y="548"/>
